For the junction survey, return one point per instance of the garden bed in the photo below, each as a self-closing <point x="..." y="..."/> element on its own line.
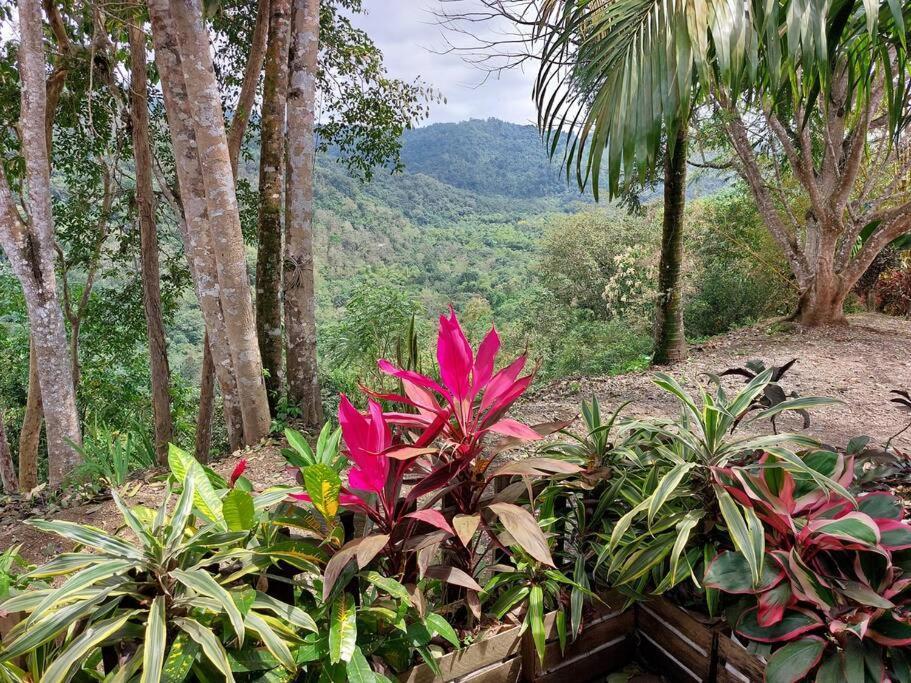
<point x="663" y="637"/>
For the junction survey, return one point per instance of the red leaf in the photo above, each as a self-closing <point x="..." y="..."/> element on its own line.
<point x="452" y="575"/>
<point x="238" y="471"/>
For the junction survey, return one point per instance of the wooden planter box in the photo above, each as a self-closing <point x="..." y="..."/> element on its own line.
<point x="666" y="638"/>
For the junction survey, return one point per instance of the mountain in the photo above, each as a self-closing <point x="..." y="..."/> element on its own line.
<point x="488" y="157"/>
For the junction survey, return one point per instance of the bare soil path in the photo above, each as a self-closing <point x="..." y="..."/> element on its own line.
<point x="858" y="363"/>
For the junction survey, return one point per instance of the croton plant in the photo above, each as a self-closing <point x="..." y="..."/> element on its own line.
<point x="834" y="597"/>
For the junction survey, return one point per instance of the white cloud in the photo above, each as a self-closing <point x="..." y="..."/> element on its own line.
<point x="413" y="44"/>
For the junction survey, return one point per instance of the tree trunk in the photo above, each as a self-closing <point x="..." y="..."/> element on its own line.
<point x="210" y="207"/>
<point x="670" y="341"/>
<point x="30" y="436"/>
<point x="221" y="200"/>
<point x="822" y="303"/>
<point x="7" y="468"/>
<point x="300" y="290"/>
<point x="30" y="249"/>
<point x="236" y="132"/>
<point x="271" y="170"/>
<point x="148" y="233"/>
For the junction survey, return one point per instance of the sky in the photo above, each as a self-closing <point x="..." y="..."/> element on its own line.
<point x="413" y="44"/>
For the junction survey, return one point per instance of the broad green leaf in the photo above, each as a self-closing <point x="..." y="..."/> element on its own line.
<point x="746" y="532"/>
<point x="237" y="508"/>
<point x="53" y="624"/>
<point x="794" y="661"/>
<point x="155" y="642"/>
<point x="202" y="582"/>
<point x="211" y="646"/>
<point x="205" y="498"/>
<point x="389" y="585"/>
<point x="342" y="629"/>
<point x="107" y="572"/>
<point x="180" y="659"/>
<point x="793" y="623"/>
<point x="730" y="572"/>
<point x="323" y="484"/>
<point x="437" y="624"/>
<point x="535" y="619"/>
<point x="358" y="668"/>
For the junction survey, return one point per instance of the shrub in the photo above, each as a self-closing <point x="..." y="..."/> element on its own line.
<point x="737" y="273"/>
<point x="834" y="595"/>
<point x="893" y="292"/>
<point x="111" y="456"/>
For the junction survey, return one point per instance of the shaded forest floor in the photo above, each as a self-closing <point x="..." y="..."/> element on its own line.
<point x="858" y="364"/>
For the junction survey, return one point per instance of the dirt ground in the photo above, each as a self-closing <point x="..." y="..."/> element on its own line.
<point x="858" y="363"/>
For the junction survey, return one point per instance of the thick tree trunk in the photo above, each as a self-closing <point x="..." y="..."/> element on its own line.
<point x="822" y="303"/>
<point x="30" y="436"/>
<point x="212" y="232"/>
<point x="7" y="468"/>
<point x="271" y="171"/>
<point x="300" y="290"/>
<point x="148" y="233"/>
<point x="670" y="341"/>
<point x="30" y="249"/>
<point x="221" y="200"/>
<point x="236" y="132"/>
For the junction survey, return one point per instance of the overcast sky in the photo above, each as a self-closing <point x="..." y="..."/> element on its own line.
<point x="408" y="33"/>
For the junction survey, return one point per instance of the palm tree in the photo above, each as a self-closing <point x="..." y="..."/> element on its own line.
<point x="619" y="79"/>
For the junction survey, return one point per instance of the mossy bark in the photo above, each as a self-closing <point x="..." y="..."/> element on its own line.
<point x="271" y="174"/>
<point x="670" y="340"/>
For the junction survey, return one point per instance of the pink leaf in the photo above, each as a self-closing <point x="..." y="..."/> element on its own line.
<point x="510" y="427"/>
<point x="432" y="517"/>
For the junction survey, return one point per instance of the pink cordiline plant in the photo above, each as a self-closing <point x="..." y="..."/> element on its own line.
<point x="437" y="447"/>
<point x="835" y="594"/>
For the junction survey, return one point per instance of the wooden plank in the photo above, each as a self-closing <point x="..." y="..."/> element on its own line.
<point x="658" y="660"/>
<point x="676" y="644"/>
<point x="738" y="664"/>
<point x="509" y="671"/>
<point x="681" y="621"/>
<point x="476" y="656"/>
<point x="609" y="628"/>
<point x="597" y="663"/>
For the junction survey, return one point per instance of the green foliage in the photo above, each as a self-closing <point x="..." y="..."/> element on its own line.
<point x="738" y="275"/>
<point x="111" y="456"/>
<point x="160" y="600"/>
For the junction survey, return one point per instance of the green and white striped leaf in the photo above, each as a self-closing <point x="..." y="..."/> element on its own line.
<point x="290" y="613"/>
<point x="107" y="571"/>
<point x="59" y="671"/>
<point x="211" y="646"/>
<point x="271" y="640"/>
<point x="202" y="582"/>
<point x="88" y="536"/>
<point x="155" y="642"/>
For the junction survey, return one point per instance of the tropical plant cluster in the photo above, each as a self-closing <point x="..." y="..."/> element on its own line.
<point x="408" y="530"/>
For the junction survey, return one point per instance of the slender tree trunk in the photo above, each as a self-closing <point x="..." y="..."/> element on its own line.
<point x="148" y="233"/>
<point x="236" y="132"/>
<point x="271" y="171"/>
<point x="670" y="341"/>
<point x="30" y="249"/>
<point x="30" y="436"/>
<point x="300" y="290"/>
<point x="7" y="468"/>
<point x="203" y="441"/>
<point x="210" y="208"/>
